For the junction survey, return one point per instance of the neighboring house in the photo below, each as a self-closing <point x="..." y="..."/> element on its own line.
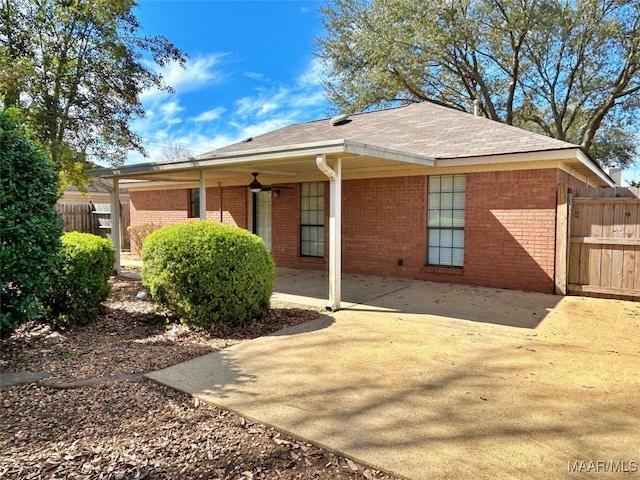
<point x="96" y="193"/>
<point x="419" y="191"/>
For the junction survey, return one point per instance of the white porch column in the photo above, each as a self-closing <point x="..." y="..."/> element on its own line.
<point x="115" y="222"/>
<point x="335" y="229"/>
<point x="203" y="197"/>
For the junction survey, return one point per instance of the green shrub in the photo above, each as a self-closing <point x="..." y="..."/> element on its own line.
<point x="30" y="228"/>
<point x="138" y="233"/>
<point x="83" y="283"/>
<point x="208" y="273"/>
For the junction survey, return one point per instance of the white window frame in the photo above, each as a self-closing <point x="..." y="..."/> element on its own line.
<point x="312" y="219"/>
<point x="446" y="203"/>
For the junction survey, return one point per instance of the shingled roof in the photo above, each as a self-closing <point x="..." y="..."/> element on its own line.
<point x="420" y="128"/>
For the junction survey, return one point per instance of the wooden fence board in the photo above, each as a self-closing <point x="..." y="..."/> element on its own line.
<point x="604" y="241"/>
<point x="93" y="218"/>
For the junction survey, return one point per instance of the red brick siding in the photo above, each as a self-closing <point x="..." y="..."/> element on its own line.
<point x="285" y="229"/>
<point x="166" y="207"/>
<point x="510" y="229"/>
<point x="509" y="232"/>
<point x="383" y="220"/>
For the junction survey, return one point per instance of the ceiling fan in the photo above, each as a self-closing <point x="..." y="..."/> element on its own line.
<point x="255" y="186"/>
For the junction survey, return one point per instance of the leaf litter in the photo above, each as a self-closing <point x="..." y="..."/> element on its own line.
<point x="135" y="431"/>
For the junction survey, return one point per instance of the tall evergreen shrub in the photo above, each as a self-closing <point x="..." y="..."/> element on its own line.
<point x="30" y="228"/>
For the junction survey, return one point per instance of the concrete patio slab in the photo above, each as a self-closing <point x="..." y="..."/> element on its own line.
<point x="437" y="381"/>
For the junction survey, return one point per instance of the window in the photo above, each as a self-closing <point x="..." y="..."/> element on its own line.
<point x="194" y="203"/>
<point x="445" y="223"/>
<point x="312" y="220"/>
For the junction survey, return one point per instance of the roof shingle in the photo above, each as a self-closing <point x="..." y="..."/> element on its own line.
<point x="420" y="128"/>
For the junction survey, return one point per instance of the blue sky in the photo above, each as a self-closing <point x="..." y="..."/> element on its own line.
<point x="251" y="69"/>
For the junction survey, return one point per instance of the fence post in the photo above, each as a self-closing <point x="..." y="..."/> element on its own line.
<point x="562" y="240"/>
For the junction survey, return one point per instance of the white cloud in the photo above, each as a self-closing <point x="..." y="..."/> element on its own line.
<point x="269" y="107"/>
<point x="198" y="72"/>
<point x="209" y="115"/>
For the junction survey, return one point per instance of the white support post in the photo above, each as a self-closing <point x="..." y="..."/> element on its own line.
<point x="115" y="222"/>
<point x="335" y="229"/>
<point x="203" y="197"/>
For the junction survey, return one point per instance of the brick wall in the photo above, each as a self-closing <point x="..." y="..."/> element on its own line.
<point x="383" y="220"/>
<point x="510" y="229"/>
<point x="166" y="207"/>
<point x="509" y="232"/>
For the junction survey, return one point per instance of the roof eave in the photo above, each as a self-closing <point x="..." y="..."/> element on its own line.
<point x="220" y="159"/>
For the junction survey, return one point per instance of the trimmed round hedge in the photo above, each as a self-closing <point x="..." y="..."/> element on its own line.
<point x="83" y="284"/>
<point x="208" y="273"/>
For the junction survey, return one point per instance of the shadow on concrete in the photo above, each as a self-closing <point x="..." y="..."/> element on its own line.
<point x="402" y="296"/>
<point x="427" y="401"/>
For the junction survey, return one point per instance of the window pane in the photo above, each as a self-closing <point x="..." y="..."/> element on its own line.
<point x="434" y="183"/>
<point x="445" y="256"/>
<point x="458" y="200"/>
<point x="446" y="200"/>
<point x="305" y="217"/>
<point x="321" y="189"/>
<point x="459" y="183"/>
<point x="305" y="189"/>
<point x="313" y="203"/>
<point x="434" y="238"/>
<point x="458" y="238"/>
<point x="446" y="238"/>
<point x="458" y="218"/>
<point x="457" y="257"/>
<point x="446" y="218"/>
<point x="434" y="200"/>
<point x="305" y="203"/>
<point x="434" y="256"/>
<point x="446" y="183"/>
<point x="313" y="189"/>
<point x="304" y="248"/>
<point x="434" y="218"/>
<point x="304" y="233"/>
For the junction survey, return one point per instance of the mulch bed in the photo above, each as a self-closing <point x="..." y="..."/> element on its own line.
<point x="141" y="430"/>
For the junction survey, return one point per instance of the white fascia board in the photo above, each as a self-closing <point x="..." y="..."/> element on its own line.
<point x="225" y="159"/>
<point x="563" y="154"/>
<point x="368" y="150"/>
<point x="591" y="165"/>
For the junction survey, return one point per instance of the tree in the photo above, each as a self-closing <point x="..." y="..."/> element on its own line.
<point x="570" y="70"/>
<point x="76" y="69"/>
<point x="173" y="151"/>
<point x="30" y="226"/>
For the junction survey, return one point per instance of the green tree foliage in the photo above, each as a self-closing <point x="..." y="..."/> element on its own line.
<point x="82" y="284"/>
<point x="207" y="273"/>
<point x="76" y="68"/>
<point x="570" y="70"/>
<point x="30" y="228"/>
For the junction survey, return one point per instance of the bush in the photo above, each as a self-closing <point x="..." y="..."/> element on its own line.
<point x="208" y="273"/>
<point x="83" y="283"/>
<point x="138" y="233"/>
<point x="30" y="228"/>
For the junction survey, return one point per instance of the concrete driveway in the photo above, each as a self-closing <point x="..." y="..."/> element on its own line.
<point x="432" y="380"/>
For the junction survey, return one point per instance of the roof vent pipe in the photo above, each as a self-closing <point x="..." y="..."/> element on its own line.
<point x="476" y="108"/>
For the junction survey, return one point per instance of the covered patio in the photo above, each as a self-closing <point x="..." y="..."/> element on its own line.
<point x="334" y="161"/>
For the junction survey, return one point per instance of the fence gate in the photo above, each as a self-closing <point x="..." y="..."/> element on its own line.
<point x="603" y="247"/>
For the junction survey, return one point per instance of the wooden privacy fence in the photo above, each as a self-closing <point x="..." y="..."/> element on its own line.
<point x="601" y="228"/>
<point x="94" y="218"/>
